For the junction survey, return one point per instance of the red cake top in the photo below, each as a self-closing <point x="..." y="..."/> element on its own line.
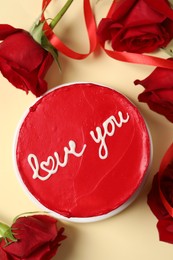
<point x="82" y="150"/>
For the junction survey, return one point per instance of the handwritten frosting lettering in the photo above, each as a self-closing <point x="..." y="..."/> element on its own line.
<point x="53" y="162"/>
<point x="108" y="130"/>
<point x="51" y="166"/>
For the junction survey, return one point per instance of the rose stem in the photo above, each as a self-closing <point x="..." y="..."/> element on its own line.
<point x="60" y="14"/>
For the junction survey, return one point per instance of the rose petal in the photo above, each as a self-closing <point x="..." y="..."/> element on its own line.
<point x="154" y="200"/>
<point x="3" y="254"/>
<point x="17" y="72"/>
<point x="158" y="105"/>
<point x="142" y="14"/>
<point x="145" y="39"/>
<point x="166" y="183"/>
<point x="6" y="30"/>
<point x="165" y="229"/>
<point x="161" y="6"/>
<point x="42" y="85"/>
<point x="21" y="49"/>
<point x="158" y="93"/>
<point x="159" y="79"/>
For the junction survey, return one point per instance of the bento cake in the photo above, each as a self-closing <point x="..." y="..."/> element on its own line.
<point x="83" y="151"/>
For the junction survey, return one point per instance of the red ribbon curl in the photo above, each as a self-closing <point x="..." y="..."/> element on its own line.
<point x="60" y="46"/>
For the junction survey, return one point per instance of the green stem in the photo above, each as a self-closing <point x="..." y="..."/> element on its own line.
<point x="28" y="214"/>
<point x="60" y="14"/>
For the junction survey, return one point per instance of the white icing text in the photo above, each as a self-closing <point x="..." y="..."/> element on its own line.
<point x="108" y="130"/>
<point x="52" y="164"/>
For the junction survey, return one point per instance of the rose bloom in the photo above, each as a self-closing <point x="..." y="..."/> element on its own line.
<point x="38" y="238"/>
<point x="158" y="93"/>
<point x="22" y="60"/>
<point x="165" y="221"/>
<point x="138" y="26"/>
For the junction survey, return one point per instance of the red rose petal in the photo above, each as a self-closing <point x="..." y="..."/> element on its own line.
<point x="158" y="93"/>
<point x="165" y="229"/>
<point x="154" y="200"/>
<point x="24" y="62"/>
<point x="6" y="30"/>
<point x="3" y="254"/>
<point x="159" y="79"/>
<point x="21" y="49"/>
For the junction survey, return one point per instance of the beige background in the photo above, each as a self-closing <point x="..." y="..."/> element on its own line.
<point x="131" y="234"/>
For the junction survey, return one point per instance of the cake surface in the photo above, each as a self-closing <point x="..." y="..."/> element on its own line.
<point x="82" y="150"/>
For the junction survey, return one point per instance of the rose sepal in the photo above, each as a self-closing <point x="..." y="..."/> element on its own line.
<point x="7" y="233"/>
<point x="39" y="36"/>
<point x="38" y="32"/>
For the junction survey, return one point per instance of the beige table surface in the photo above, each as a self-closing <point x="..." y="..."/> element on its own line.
<point x="131" y="234"/>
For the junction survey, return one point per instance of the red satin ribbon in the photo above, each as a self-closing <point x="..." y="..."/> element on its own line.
<point x="91" y="30"/>
<point x="140" y="59"/>
<point x="168" y="157"/>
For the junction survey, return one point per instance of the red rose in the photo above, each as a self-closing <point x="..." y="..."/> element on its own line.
<point x="37" y="237"/>
<point x="138" y="25"/>
<point x="22" y="60"/>
<point x="164" y="180"/>
<point x="158" y="93"/>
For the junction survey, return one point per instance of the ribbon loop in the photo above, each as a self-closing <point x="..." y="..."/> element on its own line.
<point x="91" y="31"/>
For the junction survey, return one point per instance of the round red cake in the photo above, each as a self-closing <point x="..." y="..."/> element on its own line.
<point x="83" y="151"/>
